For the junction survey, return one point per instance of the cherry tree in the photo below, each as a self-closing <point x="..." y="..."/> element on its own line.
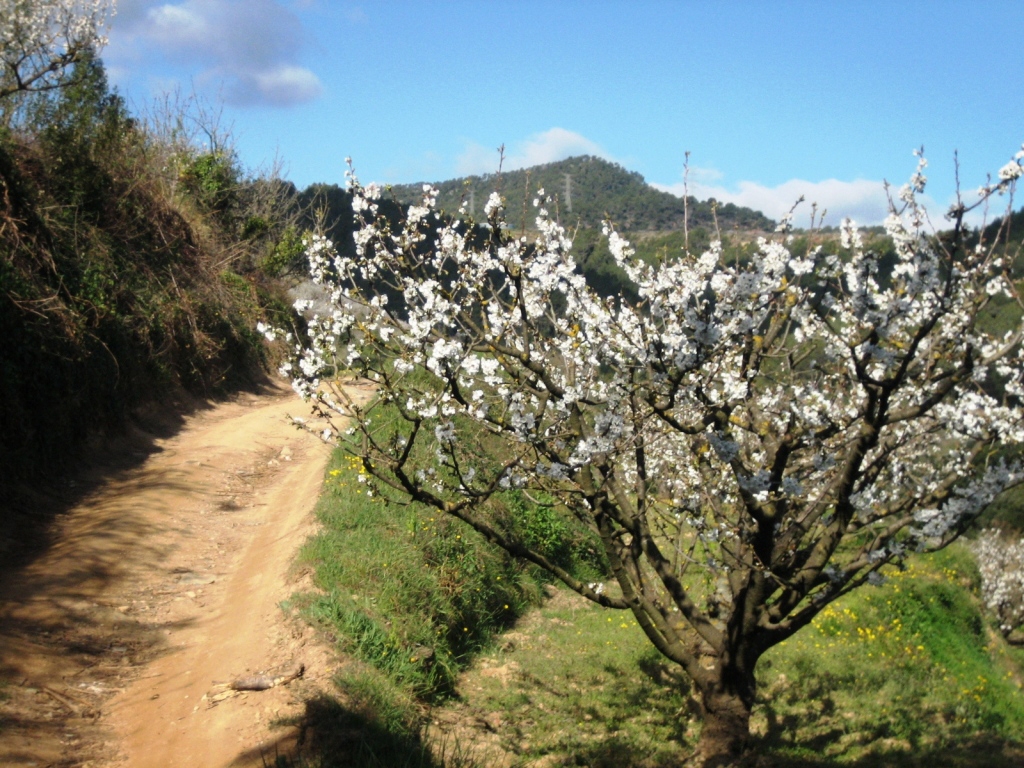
<point x="41" y="39"/>
<point x="1001" y="562"/>
<point x="749" y="439"/>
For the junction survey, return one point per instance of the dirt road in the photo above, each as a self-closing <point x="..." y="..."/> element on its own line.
<point x="162" y="582"/>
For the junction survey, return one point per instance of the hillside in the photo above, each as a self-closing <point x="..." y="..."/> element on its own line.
<point x="132" y="265"/>
<point x="588" y="190"/>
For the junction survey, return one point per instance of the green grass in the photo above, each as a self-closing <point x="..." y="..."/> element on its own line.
<point x="910" y="667"/>
<point x="908" y="673"/>
<point x="415" y="596"/>
<point x="581" y="686"/>
<point x="375" y="724"/>
<point x="404" y="589"/>
<point x="1006" y="512"/>
<point x="415" y="593"/>
<point x="905" y="674"/>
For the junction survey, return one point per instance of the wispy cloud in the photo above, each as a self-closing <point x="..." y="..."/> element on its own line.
<point x="547" y="147"/>
<point x="862" y="200"/>
<point x="248" y="48"/>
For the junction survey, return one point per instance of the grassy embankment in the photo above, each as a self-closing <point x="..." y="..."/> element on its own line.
<point x="415" y="597"/>
<point x="132" y="267"/>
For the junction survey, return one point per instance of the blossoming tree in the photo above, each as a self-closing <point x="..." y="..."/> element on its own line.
<point x="750" y="440"/>
<point x="1001" y="562"/>
<point x="41" y="39"/>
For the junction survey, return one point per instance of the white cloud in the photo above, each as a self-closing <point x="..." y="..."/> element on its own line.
<point x="280" y="87"/>
<point x="862" y="200"/>
<point x="549" y="146"/>
<point x="249" y="48"/>
<point x="177" y="27"/>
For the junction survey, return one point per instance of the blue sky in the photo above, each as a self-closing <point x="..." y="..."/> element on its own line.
<point x="772" y="100"/>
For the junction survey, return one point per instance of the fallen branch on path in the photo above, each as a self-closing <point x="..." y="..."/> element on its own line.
<point x="261" y="682"/>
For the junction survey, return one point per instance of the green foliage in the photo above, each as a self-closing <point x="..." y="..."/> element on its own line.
<point x="212" y="178"/>
<point x="595" y="261"/>
<point x="575" y="684"/>
<point x="327" y="209"/>
<point x="1005" y="512"/>
<point x="887" y="674"/>
<point x="83" y="130"/>
<point x="541" y="526"/>
<point x="111" y="291"/>
<point x="415" y="593"/>
<point x="663" y="248"/>
<point x="285" y="256"/>
<point x="380" y="701"/>
<point x="599" y="189"/>
<point x="904" y="674"/>
<point x="397" y="580"/>
<point x="84" y="113"/>
<point x="377" y="726"/>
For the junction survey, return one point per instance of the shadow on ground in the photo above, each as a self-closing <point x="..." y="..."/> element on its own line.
<point x="63" y="650"/>
<point x="334" y="736"/>
<point x="28" y="508"/>
<point x="977" y="752"/>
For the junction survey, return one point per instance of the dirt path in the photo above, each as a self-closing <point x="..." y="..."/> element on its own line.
<point x="162" y="582"/>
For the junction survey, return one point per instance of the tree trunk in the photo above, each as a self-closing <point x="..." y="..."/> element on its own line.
<point x="725" y="731"/>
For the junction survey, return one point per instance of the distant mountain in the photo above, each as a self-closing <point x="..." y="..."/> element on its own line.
<point x="587" y="190"/>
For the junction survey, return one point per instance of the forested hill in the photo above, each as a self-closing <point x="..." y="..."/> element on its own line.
<point x="587" y="189"/>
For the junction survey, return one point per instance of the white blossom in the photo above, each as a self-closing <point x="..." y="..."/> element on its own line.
<point x="40" y="39"/>
<point x="1011" y="171"/>
<point x="1001" y="562"/>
